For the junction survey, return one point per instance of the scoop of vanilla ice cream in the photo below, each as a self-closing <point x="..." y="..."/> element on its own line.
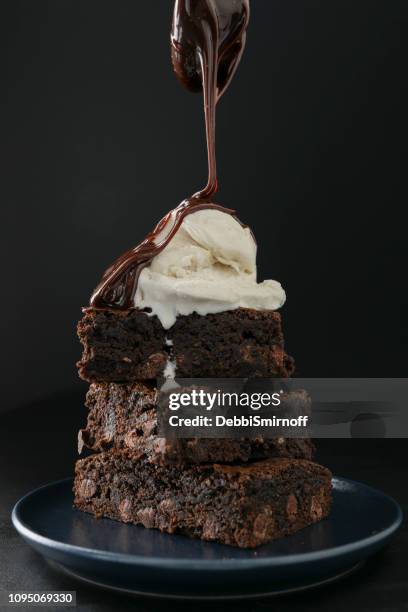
<point x="209" y="266"/>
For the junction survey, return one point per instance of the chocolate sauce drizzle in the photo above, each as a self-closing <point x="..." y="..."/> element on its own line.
<point x="207" y="42"/>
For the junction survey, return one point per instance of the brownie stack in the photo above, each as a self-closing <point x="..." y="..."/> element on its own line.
<point x="240" y="492"/>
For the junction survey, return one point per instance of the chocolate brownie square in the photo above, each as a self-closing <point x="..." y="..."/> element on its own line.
<point x="241" y="505"/>
<point x="124" y="417"/>
<point x="131" y="345"/>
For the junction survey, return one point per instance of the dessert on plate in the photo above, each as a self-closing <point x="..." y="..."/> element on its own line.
<point x="186" y="302"/>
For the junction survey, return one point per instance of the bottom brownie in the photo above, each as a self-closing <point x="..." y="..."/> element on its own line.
<point x="241" y="505"/>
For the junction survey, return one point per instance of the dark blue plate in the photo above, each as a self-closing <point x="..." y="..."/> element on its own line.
<point x="145" y="561"/>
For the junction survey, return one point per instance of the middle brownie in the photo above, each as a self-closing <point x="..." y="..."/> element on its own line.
<point x="124" y="416"/>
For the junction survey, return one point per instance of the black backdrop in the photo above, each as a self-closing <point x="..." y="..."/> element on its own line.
<point x="98" y="141"/>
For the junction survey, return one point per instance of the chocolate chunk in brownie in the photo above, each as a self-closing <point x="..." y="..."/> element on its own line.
<point x="124" y="416"/>
<point x="131" y="345"/>
<point x="242" y="505"/>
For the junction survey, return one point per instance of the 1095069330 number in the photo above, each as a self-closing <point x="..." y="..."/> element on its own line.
<point x="40" y="598"/>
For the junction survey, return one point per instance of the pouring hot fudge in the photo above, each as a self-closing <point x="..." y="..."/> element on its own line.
<point x="186" y="302"/>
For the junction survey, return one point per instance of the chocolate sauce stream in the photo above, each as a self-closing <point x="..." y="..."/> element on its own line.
<point x="207" y="42"/>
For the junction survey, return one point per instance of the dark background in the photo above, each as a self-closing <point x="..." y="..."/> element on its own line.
<point x="98" y="141"/>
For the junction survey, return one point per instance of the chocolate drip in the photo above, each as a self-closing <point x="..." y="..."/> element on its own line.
<point x="207" y="42"/>
<point x="119" y="283"/>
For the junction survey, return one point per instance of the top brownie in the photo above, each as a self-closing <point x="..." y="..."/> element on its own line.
<point x="130" y="345"/>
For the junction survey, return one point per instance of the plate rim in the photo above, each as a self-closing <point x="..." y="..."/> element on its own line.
<point x="174" y="563"/>
<point x="294" y="590"/>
